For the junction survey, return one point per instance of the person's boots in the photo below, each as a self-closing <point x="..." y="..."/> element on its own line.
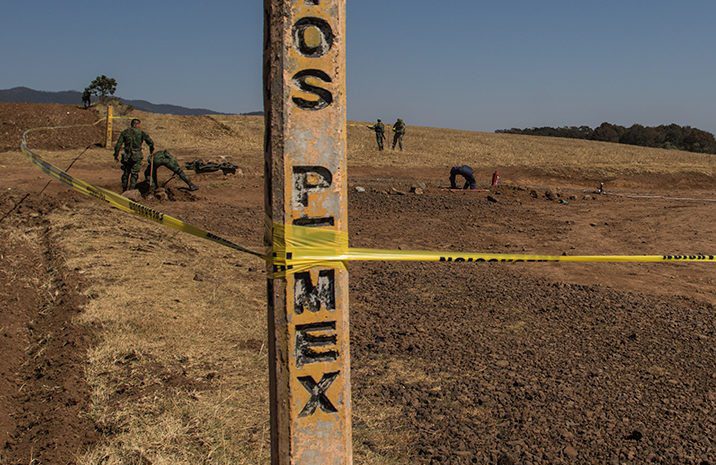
<point x="133" y="181"/>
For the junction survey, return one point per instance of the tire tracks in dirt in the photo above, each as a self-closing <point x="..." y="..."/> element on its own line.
<point x="42" y="416"/>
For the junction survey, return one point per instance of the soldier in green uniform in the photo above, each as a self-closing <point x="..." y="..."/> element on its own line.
<point x="131" y="139"/>
<point x="87" y="98"/>
<point x="379" y="129"/>
<point x="398" y="134"/>
<point x="164" y="158"/>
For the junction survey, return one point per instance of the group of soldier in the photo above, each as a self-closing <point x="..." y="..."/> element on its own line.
<point x="398" y="134"/>
<point x="130" y="144"/>
<point x="463" y="171"/>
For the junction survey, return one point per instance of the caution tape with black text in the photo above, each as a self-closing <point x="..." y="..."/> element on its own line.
<point x="299" y="248"/>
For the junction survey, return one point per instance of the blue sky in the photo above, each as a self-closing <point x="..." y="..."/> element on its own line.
<point x="455" y="63"/>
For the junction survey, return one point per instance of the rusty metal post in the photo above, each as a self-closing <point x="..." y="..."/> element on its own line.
<point x="110" y="116"/>
<point x="306" y="185"/>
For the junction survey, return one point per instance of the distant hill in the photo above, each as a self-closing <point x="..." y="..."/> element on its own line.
<point x="72" y="97"/>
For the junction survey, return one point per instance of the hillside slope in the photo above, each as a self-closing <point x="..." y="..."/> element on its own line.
<point x="73" y="97"/>
<point x="425" y="148"/>
<point x="432" y="151"/>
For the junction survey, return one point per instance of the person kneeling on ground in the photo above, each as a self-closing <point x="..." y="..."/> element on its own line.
<point x="164" y="158"/>
<point x="467" y="173"/>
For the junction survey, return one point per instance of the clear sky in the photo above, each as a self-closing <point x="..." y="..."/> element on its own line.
<point x="453" y="63"/>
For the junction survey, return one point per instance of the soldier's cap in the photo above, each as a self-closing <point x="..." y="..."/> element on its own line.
<point x="379" y="120"/>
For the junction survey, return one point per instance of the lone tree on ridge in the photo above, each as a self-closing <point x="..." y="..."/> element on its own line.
<point x="103" y="86"/>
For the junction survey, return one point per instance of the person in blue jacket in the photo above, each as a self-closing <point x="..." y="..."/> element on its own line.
<point x="467" y="173"/>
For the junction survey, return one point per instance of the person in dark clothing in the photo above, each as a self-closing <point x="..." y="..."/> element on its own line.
<point x="379" y="129"/>
<point x="398" y="134"/>
<point x="164" y="158"/>
<point x="87" y="98"/>
<point x="467" y="173"/>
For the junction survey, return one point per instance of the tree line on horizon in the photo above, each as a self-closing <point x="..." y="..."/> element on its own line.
<point x="671" y="136"/>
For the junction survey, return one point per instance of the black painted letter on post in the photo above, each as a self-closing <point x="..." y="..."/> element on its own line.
<point x="324" y="97"/>
<point x="318" y="394"/>
<point x="310" y="297"/>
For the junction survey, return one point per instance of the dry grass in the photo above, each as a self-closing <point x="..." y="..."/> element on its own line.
<point x="237" y="137"/>
<point x="430" y="147"/>
<point x="382" y="424"/>
<point x="12" y="266"/>
<point x="179" y="376"/>
<point x="180" y="373"/>
<point x="240" y="139"/>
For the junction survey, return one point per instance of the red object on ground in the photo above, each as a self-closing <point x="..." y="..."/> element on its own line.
<point x="495" y="179"/>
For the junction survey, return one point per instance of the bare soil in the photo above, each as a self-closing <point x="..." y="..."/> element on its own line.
<point x="453" y="363"/>
<point x="506" y="362"/>
<point x="44" y="398"/>
<point x="16" y="118"/>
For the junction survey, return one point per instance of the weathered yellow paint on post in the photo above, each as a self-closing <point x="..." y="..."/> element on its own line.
<point x="110" y="116"/>
<point x="306" y="184"/>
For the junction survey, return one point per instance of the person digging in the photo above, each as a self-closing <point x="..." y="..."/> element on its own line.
<point x="164" y="158"/>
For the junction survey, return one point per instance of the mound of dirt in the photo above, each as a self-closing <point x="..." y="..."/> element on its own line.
<point x="16" y="118"/>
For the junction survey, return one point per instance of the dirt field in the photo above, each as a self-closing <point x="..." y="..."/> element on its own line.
<point x="125" y="343"/>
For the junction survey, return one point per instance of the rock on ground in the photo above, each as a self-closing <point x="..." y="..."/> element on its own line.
<point x="134" y="195"/>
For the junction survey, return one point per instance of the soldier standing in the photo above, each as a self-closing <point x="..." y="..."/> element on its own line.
<point x="86" y="98"/>
<point x="132" y="139"/>
<point x="398" y="134"/>
<point x="164" y="158"/>
<point x="379" y="129"/>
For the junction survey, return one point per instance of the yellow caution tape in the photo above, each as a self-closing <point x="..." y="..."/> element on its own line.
<point x="120" y="202"/>
<point x="300" y="248"/>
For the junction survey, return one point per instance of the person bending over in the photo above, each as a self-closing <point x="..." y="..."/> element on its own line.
<point x="467" y="173"/>
<point x="164" y="158"/>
